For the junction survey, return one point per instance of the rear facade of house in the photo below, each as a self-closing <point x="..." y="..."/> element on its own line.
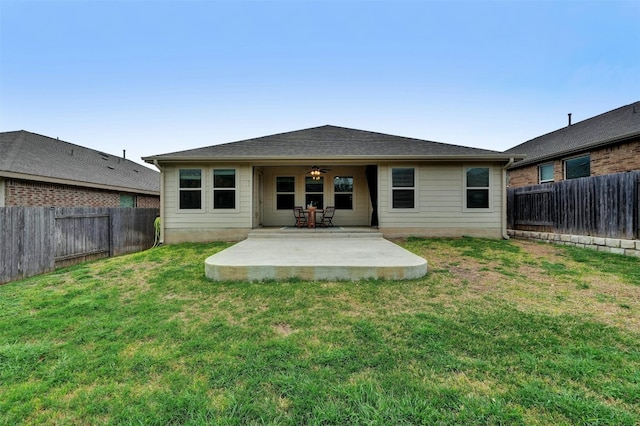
<point x="402" y="186"/>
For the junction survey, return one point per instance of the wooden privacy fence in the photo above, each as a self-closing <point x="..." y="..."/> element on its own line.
<point x="34" y="240"/>
<point x="602" y="206"/>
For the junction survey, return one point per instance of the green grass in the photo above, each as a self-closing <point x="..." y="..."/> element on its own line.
<point x="498" y="332"/>
<point x="618" y="265"/>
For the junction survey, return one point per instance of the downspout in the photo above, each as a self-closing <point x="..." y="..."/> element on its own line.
<point x="2" y="191"/>
<point x="505" y="235"/>
<point x="155" y="163"/>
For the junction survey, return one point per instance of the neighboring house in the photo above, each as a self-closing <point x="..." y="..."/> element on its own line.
<point x="37" y="170"/>
<point x="402" y="185"/>
<point x="605" y="144"/>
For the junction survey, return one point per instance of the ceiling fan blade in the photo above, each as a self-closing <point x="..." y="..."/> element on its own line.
<point x="318" y="169"/>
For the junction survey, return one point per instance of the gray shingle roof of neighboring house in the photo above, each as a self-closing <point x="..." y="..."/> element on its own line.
<point x="31" y="156"/>
<point x="615" y="126"/>
<point x="330" y="142"/>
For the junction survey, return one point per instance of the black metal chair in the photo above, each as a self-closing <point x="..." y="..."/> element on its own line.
<point x="300" y="215"/>
<point x="327" y="216"/>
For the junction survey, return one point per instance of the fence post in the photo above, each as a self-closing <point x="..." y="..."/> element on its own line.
<point x="111" y="233"/>
<point x="637" y="207"/>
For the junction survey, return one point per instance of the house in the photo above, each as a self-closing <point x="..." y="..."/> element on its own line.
<point x="37" y="170"/>
<point x="605" y="144"/>
<point x="404" y="186"/>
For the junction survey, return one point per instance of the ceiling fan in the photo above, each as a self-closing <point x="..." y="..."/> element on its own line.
<point x="316" y="171"/>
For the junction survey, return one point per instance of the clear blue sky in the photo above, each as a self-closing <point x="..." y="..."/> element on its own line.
<point x="154" y="77"/>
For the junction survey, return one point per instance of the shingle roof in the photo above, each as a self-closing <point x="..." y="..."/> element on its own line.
<point x="30" y="154"/>
<point x="611" y="127"/>
<point x="328" y="142"/>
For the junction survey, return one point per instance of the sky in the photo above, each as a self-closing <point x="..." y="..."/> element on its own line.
<point x="158" y="76"/>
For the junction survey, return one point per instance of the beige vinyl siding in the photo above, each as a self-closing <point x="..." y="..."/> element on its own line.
<point x="440" y="203"/>
<point x="359" y="216"/>
<point x="203" y="222"/>
<point x="439" y="209"/>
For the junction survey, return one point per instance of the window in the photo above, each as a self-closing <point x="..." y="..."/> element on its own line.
<point x="127" y="200"/>
<point x="403" y="188"/>
<point x="224" y="189"/>
<point x="477" y="181"/>
<point x="190" y="188"/>
<point x="343" y="192"/>
<point x="285" y="192"/>
<point x="577" y="167"/>
<point x="545" y="173"/>
<point x="314" y="188"/>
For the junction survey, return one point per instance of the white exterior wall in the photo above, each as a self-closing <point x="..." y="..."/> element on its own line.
<point x="440" y="203"/>
<point x="206" y="224"/>
<point x="440" y="210"/>
<point x="359" y="216"/>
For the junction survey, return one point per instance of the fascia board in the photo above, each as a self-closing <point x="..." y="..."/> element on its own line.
<point x="574" y="151"/>
<point x="37" y="178"/>
<point x="340" y="159"/>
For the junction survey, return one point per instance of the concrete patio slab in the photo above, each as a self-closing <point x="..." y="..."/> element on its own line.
<point x="335" y="255"/>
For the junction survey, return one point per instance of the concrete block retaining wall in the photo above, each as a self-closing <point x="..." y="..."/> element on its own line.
<point x="609" y="245"/>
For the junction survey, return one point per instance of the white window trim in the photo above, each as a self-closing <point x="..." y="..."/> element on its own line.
<point x="465" y="188"/>
<point x="202" y="191"/>
<point x="324" y="179"/>
<point x="415" y="188"/>
<point x="276" y="193"/>
<point x="236" y="188"/>
<point x="353" y="193"/>
<point x="540" y="174"/>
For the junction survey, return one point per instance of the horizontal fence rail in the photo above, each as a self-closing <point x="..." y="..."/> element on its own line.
<point x="601" y="206"/>
<point x="35" y="240"/>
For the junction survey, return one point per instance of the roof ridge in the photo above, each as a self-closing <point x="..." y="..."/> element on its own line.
<point x="57" y="139"/>
<point x="571" y="127"/>
<point x="327" y="142"/>
<point x="110" y="157"/>
<point x="416" y="139"/>
<point x="34" y="154"/>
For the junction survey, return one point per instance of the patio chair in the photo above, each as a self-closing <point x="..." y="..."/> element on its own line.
<point x="327" y="216"/>
<point x="300" y="215"/>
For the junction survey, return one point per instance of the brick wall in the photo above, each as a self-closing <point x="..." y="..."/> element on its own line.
<point x="41" y="194"/>
<point x="523" y="176"/>
<point x="147" y="201"/>
<point x="615" y="159"/>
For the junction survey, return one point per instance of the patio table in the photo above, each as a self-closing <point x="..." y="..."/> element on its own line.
<point x="311" y="216"/>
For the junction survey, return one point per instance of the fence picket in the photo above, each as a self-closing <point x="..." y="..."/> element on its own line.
<point x="34" y="240"/>
<point x="604" y="206"/>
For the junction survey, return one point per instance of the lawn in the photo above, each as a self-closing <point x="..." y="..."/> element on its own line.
<point x="498" y="332"/>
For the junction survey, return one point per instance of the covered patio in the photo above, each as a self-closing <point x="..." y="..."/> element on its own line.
<point x="351" y="189"/>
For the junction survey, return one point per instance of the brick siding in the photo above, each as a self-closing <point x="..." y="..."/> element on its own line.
<point x="523" y="176"/>
<point x="41" y="194"/>
<point x="148" y="201"/>
<point x="616" y="159"/>
<point x="613" y="159"/>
